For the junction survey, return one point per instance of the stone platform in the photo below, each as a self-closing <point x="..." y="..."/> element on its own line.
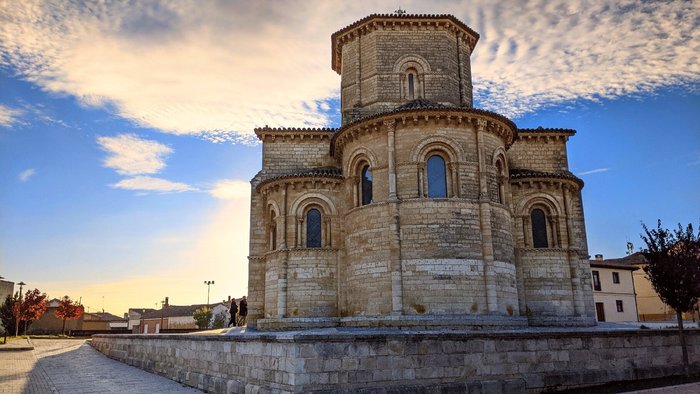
<point x="382" y="361"/>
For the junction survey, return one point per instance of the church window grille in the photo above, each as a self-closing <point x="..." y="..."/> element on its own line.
<point x="273" y="231"/>
<point x="313" y="228"/>
<point x="437" y="180"/>
<point x="539" y="228"/>
<point x="366" y="185"/>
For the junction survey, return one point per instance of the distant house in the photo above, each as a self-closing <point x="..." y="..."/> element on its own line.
<point x="613" y="290"/>
<point x="103" y="321"/>
<point x="134" y="318"/>
<point x="175" y="317"/>
<point x="650" y="307"/>
<point x="48" y="323"/>
<point x="6" y="288"/>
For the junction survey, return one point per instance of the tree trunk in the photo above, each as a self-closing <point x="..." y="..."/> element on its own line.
<point x="681" y="334"/>
<point x="63" y="330"/>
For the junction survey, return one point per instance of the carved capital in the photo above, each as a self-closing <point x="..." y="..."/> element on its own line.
<point x="390" y="125"/>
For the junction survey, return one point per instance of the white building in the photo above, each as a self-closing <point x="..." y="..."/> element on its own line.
<point x="613" y="290"/>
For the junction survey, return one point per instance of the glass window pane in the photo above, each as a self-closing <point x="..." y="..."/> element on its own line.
<point x="411" y="95"/>
<point x="437" y="182"/>
<point x="366" y="185"/>
<point x="313" y="229"/>
<point x="539" y="228"/>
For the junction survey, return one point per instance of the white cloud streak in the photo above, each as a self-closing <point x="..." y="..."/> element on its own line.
<point x="231" y="189"/>
<point x="595" y="171"/>
<point x="218" y="69"/>
<point x="26" y="174"/>
<point x="151" y="184"/>
<point x="131" y="155"/>
<point x="9" y="116"/>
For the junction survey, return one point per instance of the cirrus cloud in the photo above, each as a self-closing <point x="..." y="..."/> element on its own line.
<point x="217" y="69"/>
<point x="26" y="174"/>
<point x="151" y="184"/>
<point x="131" y="155"/>
<point x="9" y="116"/>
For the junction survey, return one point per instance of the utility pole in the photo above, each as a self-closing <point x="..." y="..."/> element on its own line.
<point x="19" y="308"/>
<point x="208" y="283"/>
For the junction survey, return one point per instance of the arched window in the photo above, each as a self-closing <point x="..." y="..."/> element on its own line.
<point x="411" y="87"/>
<point x="273" y="231"/>
<point x="313" y="228"/>
<point x="539" y="228"/>
<point x="437" y="180"/>
<point x="500" y="180"/>
<point x="366" y="185"/>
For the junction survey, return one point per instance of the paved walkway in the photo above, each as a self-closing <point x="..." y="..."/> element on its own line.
<point x="72" y="366"/>
<point x="690" y="388"/>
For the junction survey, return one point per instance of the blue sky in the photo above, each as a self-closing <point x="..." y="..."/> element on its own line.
<point x="126" y="140"/>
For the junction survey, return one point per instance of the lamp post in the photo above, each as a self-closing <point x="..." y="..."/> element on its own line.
<point x="19" y="308"/>
<point x="208" y="283"/>
<point x="162" y="307"/>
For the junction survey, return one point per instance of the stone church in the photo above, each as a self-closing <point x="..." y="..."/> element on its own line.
<point x="419" y="211"/>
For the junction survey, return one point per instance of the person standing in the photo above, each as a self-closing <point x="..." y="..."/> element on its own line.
<point x="243" y="312"/>
<point x="233" y="310"/>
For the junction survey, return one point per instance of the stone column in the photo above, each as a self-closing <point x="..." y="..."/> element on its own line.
<point x="572" y="255"/>
<point x="391" y="128"/>
<point x="485" y="223"/>
<point x="283" y="233"/>
<point x="394" y="226"/>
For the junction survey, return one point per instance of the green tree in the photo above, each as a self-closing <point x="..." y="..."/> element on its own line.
<point x="6" y="315"/>
<point x="202" y="317"/>
<point x="674" y="270"/>
<point x="219" y="320"/>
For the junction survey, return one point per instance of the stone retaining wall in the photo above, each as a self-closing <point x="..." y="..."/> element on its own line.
<point x="384" y="361"/>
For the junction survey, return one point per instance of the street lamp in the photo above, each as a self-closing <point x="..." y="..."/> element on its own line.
<point x="162" y="307"/>
<point x="19" y="308"/>
<point x="208" y="283"/>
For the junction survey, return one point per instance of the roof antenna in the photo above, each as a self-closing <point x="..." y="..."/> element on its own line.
<point x="400" y="11"/>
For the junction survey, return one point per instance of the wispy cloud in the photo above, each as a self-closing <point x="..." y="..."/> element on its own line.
<point x="595" y="171"/>
<point x="218" y="69"/>
<point x="26" y="174"/>
<point x="132" y="155"/>
<point x="9" y="116"/>
<point x="151" y="184"/>
<point x="231" y="189"/>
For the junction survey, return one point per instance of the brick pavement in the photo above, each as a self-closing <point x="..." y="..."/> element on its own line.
<point x="72" y="366"/>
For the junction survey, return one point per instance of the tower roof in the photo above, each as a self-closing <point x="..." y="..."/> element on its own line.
<point x="398" y="21"/>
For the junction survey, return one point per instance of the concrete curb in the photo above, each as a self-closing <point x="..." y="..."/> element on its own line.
<point x="17" y="346"/>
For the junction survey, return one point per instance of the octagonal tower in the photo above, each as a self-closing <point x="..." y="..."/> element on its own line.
<point x="386" y="60"/>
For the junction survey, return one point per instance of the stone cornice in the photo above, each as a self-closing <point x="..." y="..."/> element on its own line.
<point x="493" y="122"/>
<point x="521" y="177"/>
<point x="321" y="176"/>
<point x="270" y="134"/>
<point x="543" y="133"/>
<point x="398" y="22"/>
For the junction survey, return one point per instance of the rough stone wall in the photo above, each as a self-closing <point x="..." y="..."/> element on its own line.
<point x="529" y="362"/>
<point x="256" y="264"/>
<point x="540" y="153"/>
<point x="312" y="283"/>
<point x="366" y="271"/>
<point x="284" y="155"/>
